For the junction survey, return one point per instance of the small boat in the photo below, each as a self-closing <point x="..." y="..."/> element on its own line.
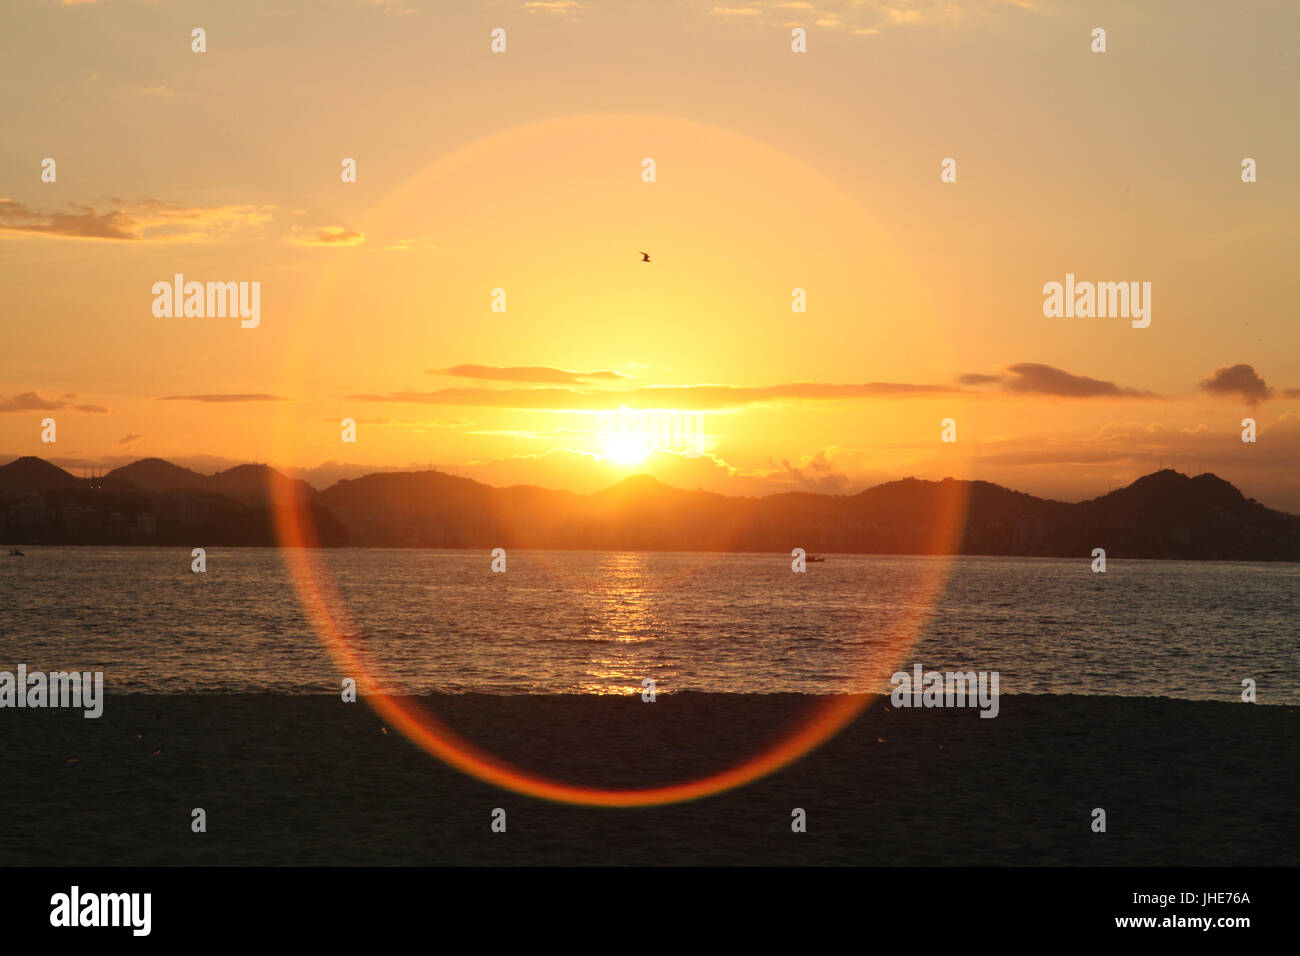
<point x="15" y="553"/>
<point x="814" y="559"/>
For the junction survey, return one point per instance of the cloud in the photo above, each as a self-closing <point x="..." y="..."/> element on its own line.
<point x="975" y="378"/>
<point x="814" y="473"/>
<point x="414" y="423"/>
<point x="540" y="374"/>
<point x="149" y="220"/>
<point x="691" y="397"/>
<point x="866" y="17"/>
<point x="233" y="397"/>
<point x="410" y="245"/>
<point x="32" y="402"/>
<point x="552" y="6"/>
<point x="1038" y="379"/>
<point x="897" y="15"/>
<point x="1240" y="380"/>
<point x="29" y="402"/>
<point x="127" y="439"/>
<point x="328" y="236"/>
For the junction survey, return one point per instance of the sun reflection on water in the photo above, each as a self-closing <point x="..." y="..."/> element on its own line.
<point x="624" y="645"/>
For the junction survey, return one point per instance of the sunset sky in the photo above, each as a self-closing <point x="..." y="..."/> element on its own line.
<point x="522" y="171"/>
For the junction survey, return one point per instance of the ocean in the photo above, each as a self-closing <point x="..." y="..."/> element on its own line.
<point x="566" y="622"/>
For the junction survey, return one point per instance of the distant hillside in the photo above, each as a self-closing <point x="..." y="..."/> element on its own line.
<point x="31" y="474"/>
<point x="1162" y="515"/>
<point x="154" y="502"/>
<point x="155" y="474"/>
<point x="249" y="484"/>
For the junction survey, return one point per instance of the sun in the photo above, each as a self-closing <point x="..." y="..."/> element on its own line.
<point x="626" y="449"/>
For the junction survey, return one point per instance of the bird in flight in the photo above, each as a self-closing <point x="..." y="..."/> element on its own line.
<point x="645" y="257"/>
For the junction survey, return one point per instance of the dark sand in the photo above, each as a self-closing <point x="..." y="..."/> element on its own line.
<point x="311" y="780"/>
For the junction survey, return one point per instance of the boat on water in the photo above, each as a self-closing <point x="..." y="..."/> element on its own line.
<point x="814" y="559"/>
<point x="15" y="553"/>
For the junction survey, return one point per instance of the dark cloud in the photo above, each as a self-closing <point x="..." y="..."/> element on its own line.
<point x="32" y="402"/>
<point x="1038" y="379"/>
<point x="1239" y="380"/>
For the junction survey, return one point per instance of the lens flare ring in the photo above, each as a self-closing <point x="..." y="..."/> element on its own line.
<point x="328" y="613"/>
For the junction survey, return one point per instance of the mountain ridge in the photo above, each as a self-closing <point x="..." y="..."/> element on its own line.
<point x="1165" y="514"/>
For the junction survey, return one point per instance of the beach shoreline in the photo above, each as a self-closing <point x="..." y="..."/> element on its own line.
<point x="311" y="780"/>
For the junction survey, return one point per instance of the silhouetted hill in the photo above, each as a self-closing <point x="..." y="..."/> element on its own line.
<point x="1167" y="514"/>
<point x="32" y="474"/>
<point x="1162" y="515"/>
<point x="249" y="484"/>
<point x="256" y="484"/>
<point x="153" y="501"/>
<point x="155" y="474"/>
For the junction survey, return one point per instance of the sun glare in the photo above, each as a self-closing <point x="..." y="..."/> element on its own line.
<point x="626" y="449"/>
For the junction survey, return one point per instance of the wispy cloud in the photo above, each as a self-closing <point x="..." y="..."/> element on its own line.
<point x="416" y="423"/>
<point x="864" y="17"/>
<point x="552" y="6"/>
<point x="327" y="236"/>
<point x="693" y="397"/>
<point x="1035" y="378"/>
<point x="539" y="374"/>
<point x="149" y="220"/>
<point x="32" y="402"/>
<point x="226" y="398"/>
<point x="411" y="244"/>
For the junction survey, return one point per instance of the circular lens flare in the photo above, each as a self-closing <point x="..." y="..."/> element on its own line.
<point x="471" y="173"/>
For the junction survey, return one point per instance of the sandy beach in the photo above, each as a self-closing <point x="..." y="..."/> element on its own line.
<point x="310" y="780"/>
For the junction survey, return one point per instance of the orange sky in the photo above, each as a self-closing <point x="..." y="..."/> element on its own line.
<point x="523" y="171"/>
